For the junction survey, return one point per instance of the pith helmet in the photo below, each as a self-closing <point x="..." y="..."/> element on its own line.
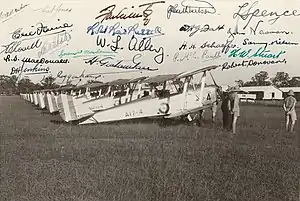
<point x="291" y="93"/>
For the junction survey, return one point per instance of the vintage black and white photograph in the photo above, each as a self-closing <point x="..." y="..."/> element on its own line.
<point x="150" y="100"/>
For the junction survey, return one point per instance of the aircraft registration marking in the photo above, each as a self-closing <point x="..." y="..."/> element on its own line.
<point x="134" y="113"/>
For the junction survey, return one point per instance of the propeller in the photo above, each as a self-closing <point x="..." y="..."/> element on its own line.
<point x="219" y="88"/>
<point x="213" y="79"/>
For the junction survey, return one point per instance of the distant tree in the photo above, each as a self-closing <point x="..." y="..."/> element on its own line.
<point x="294" y="82"/>
<point x="261" y="79"/>
<point x="49" y="83"/>
<point x="8" y="84"/>
<point x="240" y="83"/>
<point x="281" y="79"/>
<point x="25" y="85"/>
<point x="12" y="82"/>
<point x="250" y="84"/>
<point x="38" y="86"/>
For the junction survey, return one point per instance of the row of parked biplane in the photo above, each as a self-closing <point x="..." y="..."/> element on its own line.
<point x="165" y="96"/>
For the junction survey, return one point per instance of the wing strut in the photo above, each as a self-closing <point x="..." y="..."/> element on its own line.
<point x="202" y="87"/>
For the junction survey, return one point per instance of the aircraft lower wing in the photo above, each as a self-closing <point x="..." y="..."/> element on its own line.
<point x="188" y="111"/>
<point x="85" y="116"/>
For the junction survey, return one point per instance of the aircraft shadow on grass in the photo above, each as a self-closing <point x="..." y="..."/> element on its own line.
<point x="160" y="122"/>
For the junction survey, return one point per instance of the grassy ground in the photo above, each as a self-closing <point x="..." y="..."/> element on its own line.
<point x="41" y="160"/>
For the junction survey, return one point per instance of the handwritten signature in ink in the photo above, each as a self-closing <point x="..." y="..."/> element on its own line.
<point x="118" y="29"/>
<point x="54" y="9"/>
<point x="58" y="41"/>
<point x="109" y="62"/>
<point x="246" y="14"/>
<point x="191" y="7"/>
<point x="40" y="29"/>
<point x="107" y="13"/>
<point x="7" y="15"/>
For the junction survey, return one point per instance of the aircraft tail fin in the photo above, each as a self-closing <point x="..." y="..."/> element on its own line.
<point x="68" y="111"/>
<point x="54" y="103"/>
<point x="66" y="107"/>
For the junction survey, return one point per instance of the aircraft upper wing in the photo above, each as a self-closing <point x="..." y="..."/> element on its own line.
<point x="63" y="88"/>
<point x="160" y="78"/>
<point x="188" y="111"/>
<point x="137" y="79"/>
<point x="118" y="82"/>
<point x="95" y="85"/>
<point x="193" y="72"/>
<point x="81" y="86"/>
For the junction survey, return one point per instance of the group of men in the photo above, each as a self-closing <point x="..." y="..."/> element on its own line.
<point x="231" y="109"/>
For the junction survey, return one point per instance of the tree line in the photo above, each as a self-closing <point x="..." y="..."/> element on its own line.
<point x="10" y="85"/>
<point x="281" y="79"/>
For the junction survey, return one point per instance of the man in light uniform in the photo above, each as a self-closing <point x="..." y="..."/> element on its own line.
<point x="290" y="111"/>
<point x="234" y="106"/>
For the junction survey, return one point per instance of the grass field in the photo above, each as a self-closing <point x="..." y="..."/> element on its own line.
<point x="141" y="161"/>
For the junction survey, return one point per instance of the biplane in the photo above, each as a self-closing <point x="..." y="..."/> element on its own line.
<point x="108" y="95"/>
<point x="31" y="97"/>
<point x="25" y="97"/>
<point x="41" y="99"/>
<point x="166" y="96"/>
<point x="35" y="98"/>
<point x="50" y="100"/>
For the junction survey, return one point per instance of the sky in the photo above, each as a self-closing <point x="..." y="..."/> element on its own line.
<point x="160" y="49"/>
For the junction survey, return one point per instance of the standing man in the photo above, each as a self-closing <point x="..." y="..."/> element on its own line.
<point x="227" y="120"/>
<point x="214" y="111"/>
<point x="290" y="111"/>
<point x="234" y="107"/>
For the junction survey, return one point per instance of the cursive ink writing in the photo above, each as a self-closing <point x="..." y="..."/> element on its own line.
<point x="248" y="42"/>
<point x="249" y="63"/>
<point x="81" y="53"/>
<point x="107" y="13"/>
<point x="246" y="14"/>
<point x="225" y="46"/>
<point x="15" y="46"/>
<point x="114" y="46"/>
<point x="208" y="57"/>
<point x="6" y="15"/>
<point x="109" y="63"/>
<point x="186" y="56"/>
<point x="145" y="44"/>
<point x="275" y="42"/>
<point x="260" y="53"/>
<point x="197" y="28"/>
<point x="39" y="29"/>
<point x="53" y="9"/>
<point x="117" y="29"/>
<point x="254" y="30"/>
<point x="37" y="69"/>
<point x="184" y="46"/>
<point x="68" y="78"/>
<point x="232" y="34"/>
<point x="191" y="7"/>
<point x="8" y="58"/>
<point x="57" y="41"/>
<point x="274" y="32"/>
<point x="45" y="61"/>
<point x="282" y="42"/>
